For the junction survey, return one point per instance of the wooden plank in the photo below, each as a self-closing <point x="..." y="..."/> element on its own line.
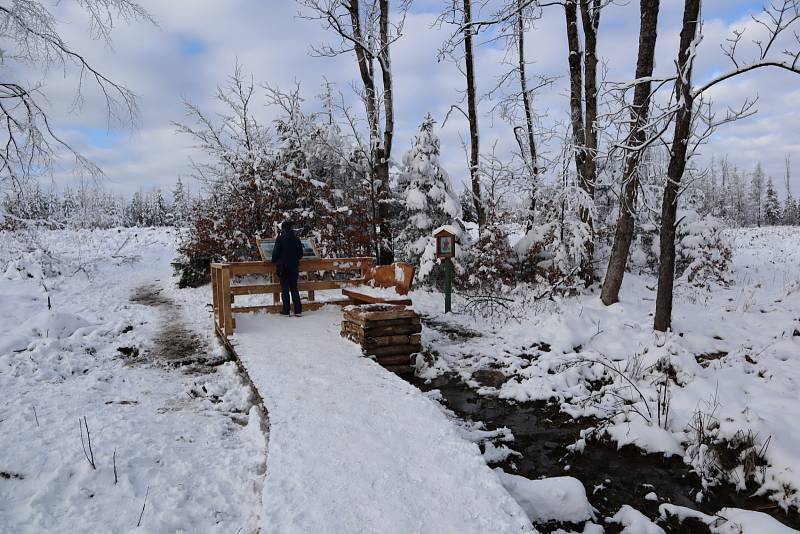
<point x="276" y="308"/>
<point x="220" y="312"/>
<point x="386" y="276"/>
<point x="397" y="359"/>
<point x="384" y="341"/>
<point x="391" y="351"/>
<point x="303" y="285"/>
<point x="375" y="324"/>
<point x="382" y="331"/>
<point x="371" y="299"/>
<point x="214" y="301"/>
<point x="311" y="264"/>
<point x="366" y="314"/>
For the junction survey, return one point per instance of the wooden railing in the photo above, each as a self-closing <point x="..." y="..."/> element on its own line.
<point x="224" y="293"/>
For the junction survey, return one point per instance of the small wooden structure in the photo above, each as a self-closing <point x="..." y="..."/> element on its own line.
<point x="397" y="277"/>
<point x="445" y="243"/>
<point x="389" y="334"/>
<point x="224" y="292"/>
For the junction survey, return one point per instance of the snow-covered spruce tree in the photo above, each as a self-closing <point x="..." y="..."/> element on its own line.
<point x="181" y="204"/>
<point x="468" y="214"/>
<point x="428" y="201"/>
<point x="703" y="254"/>
<point x="772" y="206"/>
<point x="756" y="197"/>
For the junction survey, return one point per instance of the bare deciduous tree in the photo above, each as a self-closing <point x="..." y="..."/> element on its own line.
<point x="365" y="29"/>
<point x="583" y="90"/>
<point x="517" y="89"/>
<point x="773" y="23"/>
<point x="634" y="145"/>
<point x="31" y="38"/>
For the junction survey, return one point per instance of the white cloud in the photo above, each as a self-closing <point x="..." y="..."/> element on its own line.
<point x="272" y="43"/>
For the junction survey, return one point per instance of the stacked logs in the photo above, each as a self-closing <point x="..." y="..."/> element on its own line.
<point x="388" y="334"/>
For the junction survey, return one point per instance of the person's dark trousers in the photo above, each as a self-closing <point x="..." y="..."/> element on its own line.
<point x="289" y="287"/>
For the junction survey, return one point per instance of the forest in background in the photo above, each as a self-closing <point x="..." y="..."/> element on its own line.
<point x="567" y="204"/>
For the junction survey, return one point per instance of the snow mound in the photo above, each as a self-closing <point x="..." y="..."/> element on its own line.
<point x="748" y="522"/>
<point x="561" y="499"/>
<point x="634" y="521"/>
<point x="646" y="436"/>
<point x="47" y="324"/>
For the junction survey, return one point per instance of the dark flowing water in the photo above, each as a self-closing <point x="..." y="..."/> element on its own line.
<point x="611" y="477"/>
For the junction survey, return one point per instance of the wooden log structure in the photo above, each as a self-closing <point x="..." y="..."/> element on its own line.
<point x="224" y="291"/>
<point x="389" y="334"/>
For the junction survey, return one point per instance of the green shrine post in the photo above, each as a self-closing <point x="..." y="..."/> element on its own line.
<point x="448" y="284"/>
<point x="445" y="251"/>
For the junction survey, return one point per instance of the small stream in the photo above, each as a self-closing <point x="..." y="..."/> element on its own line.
<point x="611" y="477"/>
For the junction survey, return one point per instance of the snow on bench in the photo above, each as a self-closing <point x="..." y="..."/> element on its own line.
<point x="355" y="449"/>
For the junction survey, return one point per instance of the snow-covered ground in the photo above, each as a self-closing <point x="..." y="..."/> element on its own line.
<point x="351" y="448"/>
<point x="187" y="442"/>
<point x="731" y="366"/>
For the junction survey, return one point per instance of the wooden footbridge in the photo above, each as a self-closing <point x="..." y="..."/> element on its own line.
<point x="380" y="322"/>
<point x="358" y="279"/>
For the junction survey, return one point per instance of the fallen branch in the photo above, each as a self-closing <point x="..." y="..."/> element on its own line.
<point x="89" y="455"/>
<point x="146" y="493"/>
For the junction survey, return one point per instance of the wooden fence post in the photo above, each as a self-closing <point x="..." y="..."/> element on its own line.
<point x="225" y="302"/>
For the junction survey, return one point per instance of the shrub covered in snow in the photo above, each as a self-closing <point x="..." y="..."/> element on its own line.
<point x="551" y="251"/>
<point x="489" y="264"/>
<point x="703" y="254"/>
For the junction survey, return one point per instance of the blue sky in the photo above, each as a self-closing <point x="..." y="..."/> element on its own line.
<point x="196" y="43"/>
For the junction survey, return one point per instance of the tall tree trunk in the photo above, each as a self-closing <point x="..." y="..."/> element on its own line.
<point x="383" y="153"/>
<point x="583" y="87"/>
<point x="575" y="60"/>
<point x="677" y="165"/>
<point x="379" y="148"/>
<point x="590" y="18"/>
<point x="637" y="136"/>
<point x="472" y="113"/>
<point x="526" y="103"/>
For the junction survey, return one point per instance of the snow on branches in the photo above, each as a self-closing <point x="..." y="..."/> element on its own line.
<point x="427" y="200"/>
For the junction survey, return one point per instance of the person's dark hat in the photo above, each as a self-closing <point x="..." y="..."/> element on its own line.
<point x="287" y="225"/>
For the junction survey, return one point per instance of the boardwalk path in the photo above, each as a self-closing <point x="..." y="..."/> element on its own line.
<point x="354" y="448"/>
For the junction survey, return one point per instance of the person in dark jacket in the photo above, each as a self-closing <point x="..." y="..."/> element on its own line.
<point x="286" y="257"/>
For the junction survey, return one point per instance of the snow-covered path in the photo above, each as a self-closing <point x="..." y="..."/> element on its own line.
<point x="354" y="448"/>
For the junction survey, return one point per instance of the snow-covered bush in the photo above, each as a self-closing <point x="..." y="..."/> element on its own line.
<point x="304" y="170"/>
<point x="551" y="251"/>
<point x="703" y="254"/>
<point x="489" y="264"/>
<point x="427" y="199"/>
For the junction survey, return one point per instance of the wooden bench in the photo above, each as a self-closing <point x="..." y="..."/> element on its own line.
<point x="224" y="293"/>
<point x="397" y="277"/>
